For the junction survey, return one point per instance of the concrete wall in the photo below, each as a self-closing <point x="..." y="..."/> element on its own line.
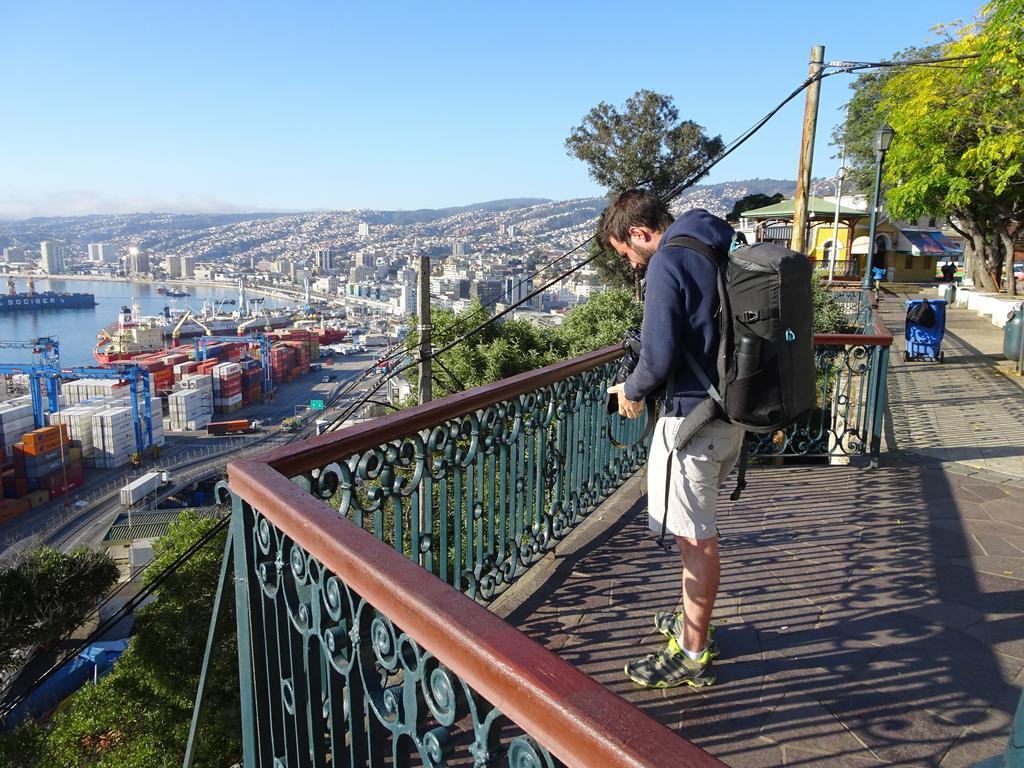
<point x="991" y="306"/>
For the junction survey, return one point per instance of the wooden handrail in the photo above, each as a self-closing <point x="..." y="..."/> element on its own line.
<point x="322" y="450"/>
<point x="577" y="719"/>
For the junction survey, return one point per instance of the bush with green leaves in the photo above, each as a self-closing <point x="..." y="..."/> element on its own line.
<point x="44" y="594"/>
<point x="138" y="715"/>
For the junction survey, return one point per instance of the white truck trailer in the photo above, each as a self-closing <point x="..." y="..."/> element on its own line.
<point x="140" y="488"/>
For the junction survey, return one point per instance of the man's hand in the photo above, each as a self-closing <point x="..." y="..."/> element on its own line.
<point x="629" y="409"/>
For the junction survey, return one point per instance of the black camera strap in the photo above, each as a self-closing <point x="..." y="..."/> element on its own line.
<point x="652" y="417"/>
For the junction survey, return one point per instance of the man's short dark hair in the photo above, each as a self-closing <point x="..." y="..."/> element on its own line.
<point x="633" y="208"/>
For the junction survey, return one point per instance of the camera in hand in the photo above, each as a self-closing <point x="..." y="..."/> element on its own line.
<point x="628" y="362"/>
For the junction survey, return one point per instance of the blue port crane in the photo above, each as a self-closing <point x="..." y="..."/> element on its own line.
<point x="48" y="376"/>
<point x="266" y="372"/>
<point x="46" y="348"/>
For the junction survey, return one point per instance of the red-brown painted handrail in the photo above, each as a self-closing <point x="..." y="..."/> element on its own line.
<point x="881" y="337"/>
<point x="578" y="720"/>
<point x="320" y="451"/>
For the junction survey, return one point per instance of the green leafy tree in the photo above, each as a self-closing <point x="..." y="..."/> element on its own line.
<point x="601" y="321"/>
<point x="750" y="202"/>
<point x="959" y="147"/>
<point x="855" y="135"/>
<point x="497" y="351"/>
<point x="645" y="145"/>
<point x="138" y="716"/>
<point x="45" y="594"/>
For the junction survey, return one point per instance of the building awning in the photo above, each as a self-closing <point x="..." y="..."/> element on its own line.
<point x="860" y="245"/>
<point x="930" y="242"/>
<point x="817" y="207"/>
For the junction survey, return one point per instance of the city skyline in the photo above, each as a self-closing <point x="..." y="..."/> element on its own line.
<point x="236" y="108"/>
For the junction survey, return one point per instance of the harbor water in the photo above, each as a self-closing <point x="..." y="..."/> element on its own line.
<point x="76" y="329"/>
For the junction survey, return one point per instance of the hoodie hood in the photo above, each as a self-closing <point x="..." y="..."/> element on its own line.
<point x="701" y="225"/>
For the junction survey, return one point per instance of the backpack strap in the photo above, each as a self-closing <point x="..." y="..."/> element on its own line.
<point x="685" y="241"/>
<point x="741" y="475"/>
<point x="718" y="258"/>
<point x="714" y="408"/>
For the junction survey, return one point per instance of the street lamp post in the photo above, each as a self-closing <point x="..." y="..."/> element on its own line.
<point x="835" y="224"/>
<point x="883" y="139"/>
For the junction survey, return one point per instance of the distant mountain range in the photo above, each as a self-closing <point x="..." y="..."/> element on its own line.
<point x="215" y="236"/>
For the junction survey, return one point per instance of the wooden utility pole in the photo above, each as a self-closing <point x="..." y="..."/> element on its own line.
<point x="803" y="174"/>
<point x="425" y="389"/>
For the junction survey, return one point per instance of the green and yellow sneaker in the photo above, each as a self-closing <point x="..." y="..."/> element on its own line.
<point x="670" y="667"/>
<point x="671" y="625"/>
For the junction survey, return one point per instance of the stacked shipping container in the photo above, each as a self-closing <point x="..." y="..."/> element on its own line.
<point x="49" y="463"/>
<point x="227" y="387"/>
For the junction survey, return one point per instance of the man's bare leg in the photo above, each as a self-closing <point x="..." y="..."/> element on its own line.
<point x="700" y="587"/>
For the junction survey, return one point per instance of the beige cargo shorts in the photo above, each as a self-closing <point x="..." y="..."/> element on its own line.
<point x="696" y="472"/>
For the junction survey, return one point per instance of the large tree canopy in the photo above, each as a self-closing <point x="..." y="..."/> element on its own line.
<point x="751" y="203"/>
<point x="855" y="135"/>
<point x="45" y="594"/>
<point x="959" y="147"/>
<point x="645" y="145"/>
<point x="138" y="716"/>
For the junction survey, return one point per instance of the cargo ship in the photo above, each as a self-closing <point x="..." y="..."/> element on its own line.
<point x="133" y="335"/>
<point x="34" y="301"/>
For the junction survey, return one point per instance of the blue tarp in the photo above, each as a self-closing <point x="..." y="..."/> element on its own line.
<point x="93" y="661"/>
<point x="103" y="654"/>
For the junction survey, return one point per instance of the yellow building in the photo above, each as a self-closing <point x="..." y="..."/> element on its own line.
<point x="908" y="254"/>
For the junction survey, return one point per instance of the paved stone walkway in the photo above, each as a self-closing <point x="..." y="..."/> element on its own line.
<point x="867" y="618"/>
<point x="968" y="410"/>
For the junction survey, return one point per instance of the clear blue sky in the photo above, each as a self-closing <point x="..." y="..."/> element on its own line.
<point x="115" y="107"/>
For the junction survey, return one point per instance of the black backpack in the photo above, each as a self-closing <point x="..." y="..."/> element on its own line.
<point x="766" y="367"/>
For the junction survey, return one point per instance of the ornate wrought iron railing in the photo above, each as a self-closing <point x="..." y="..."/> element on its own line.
<point x="476" y="487"/>
<point x="851" y="378"/>
<point x="352" y="653"/>
<point x="856" y="311"/>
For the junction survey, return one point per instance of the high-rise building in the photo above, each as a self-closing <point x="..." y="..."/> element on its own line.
<point x="364" y="229"/>
<point x="324" y="259"/>
<point x="51" y="257"/>
<point x="14" y="255"/>
<point x="360" y="274"/>
<point x="172" y="266"/>
<point x="138" y="261"/>
<point x="516" y="288"/>
<point x="327" y="284"/>
<point x="180" y="266"/>
<point x="407" y="299"/>
<point x="487" y="291"/>
<point x="102" y="253"/>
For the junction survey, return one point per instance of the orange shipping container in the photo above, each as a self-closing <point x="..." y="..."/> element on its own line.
<point x="45" y="439"/>
<point x="12" y="508"/>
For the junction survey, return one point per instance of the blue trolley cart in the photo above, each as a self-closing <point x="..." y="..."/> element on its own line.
<point x="925" y="330"/>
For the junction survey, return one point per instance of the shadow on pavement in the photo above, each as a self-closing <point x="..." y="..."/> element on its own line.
<point x="866" y="618"/>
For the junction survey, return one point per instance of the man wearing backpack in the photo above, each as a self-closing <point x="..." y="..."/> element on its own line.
<point x="681" y="322"/>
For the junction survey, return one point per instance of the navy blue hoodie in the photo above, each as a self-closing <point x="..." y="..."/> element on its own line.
<point x="680" y="308"/>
